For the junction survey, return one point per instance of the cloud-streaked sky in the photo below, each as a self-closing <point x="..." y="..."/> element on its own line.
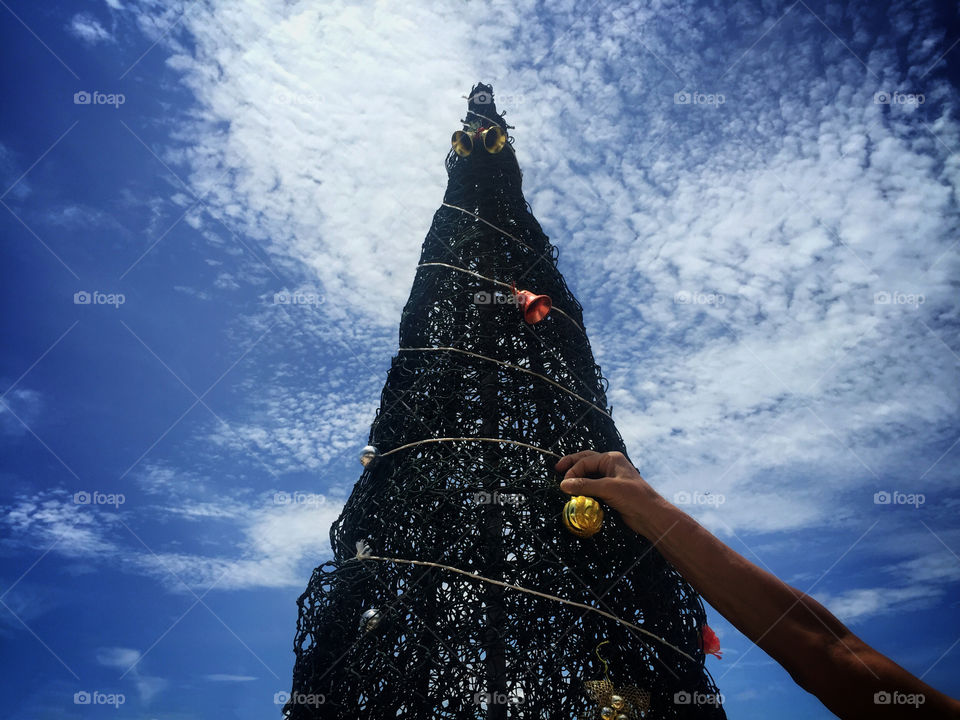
<point x="755" y="203"/>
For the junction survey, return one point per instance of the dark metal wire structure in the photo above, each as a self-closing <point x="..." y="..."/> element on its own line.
<point x="477" y="408"/>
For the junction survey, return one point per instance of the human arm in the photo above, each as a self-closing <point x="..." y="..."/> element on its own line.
<point x="819" y="652"/>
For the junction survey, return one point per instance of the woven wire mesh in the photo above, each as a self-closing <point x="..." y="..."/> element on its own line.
<point x="447" y="646"/>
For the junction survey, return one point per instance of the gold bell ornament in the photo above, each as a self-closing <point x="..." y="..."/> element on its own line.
<point x="462" y="143"/>
<point x="493" y="138"/>
<point x="625" y="703"/>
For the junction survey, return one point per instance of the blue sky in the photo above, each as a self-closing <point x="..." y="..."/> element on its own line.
<point x="755" y="202"/>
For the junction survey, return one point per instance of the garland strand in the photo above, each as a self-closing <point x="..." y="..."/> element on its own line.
<point x="363" y="553"/>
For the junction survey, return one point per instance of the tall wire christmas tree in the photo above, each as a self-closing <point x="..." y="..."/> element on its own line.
<point x="457" y="589"/>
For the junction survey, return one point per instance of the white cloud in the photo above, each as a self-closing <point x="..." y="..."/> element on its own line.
<point x="127" y="660"/>
<point x="87" y="28"/>
<point x="291" y="429"/>
<point x="919" y="581"/>
<point x="200" y="294"/>
<point x="77" y="530"/>
<point x="224" y="677"/>
<point x="278" y="541"/>
<point x="226" y="281"/>
<point x="19" y="410"/>
<point x="853" y="606"/>
<point x="157" y="478"/>
<point x="118" y="657"/>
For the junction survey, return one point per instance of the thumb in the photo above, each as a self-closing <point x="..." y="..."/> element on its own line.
<point x="583" y="486"/>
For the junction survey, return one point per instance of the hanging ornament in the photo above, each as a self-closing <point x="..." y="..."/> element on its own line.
<point x="462" y="143"/>
<point x="493" y="138"/>
<point x="582" y="516"/>
<point x="535" y="307"/>
<point x="370" y="619"/>
<point x="368" y="455"/>
<point x="710" y="643"/>
<point x="625" y="703"/>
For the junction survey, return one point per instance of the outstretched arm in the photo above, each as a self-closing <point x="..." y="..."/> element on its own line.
<point x="818" y="651"/>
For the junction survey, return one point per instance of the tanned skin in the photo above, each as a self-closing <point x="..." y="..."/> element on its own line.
<point x="819" y="652"/>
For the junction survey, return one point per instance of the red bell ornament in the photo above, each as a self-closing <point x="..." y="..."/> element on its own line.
<point x="535" y="307"/>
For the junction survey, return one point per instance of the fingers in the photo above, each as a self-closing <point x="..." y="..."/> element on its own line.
<point x="574" y="486"/>
<point x="590" y="464"/>
<point x="585" y="486"/>
<point x="568" y="461"/>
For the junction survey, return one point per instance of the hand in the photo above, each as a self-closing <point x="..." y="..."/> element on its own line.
<point x="610" y="477"/>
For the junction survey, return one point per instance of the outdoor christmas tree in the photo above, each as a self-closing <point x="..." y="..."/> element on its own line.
<point x="464" y="583"/>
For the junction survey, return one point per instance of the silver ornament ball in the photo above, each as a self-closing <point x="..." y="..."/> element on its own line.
<point x="370" y="619"/>
<point x="368" y="455"/>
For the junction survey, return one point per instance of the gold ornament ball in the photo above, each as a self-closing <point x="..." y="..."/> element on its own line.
<point x="616" y="702"/>
<point x="582" y="516"/>
<point x="606" y="713"/>
<point x="622" y="716"/>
